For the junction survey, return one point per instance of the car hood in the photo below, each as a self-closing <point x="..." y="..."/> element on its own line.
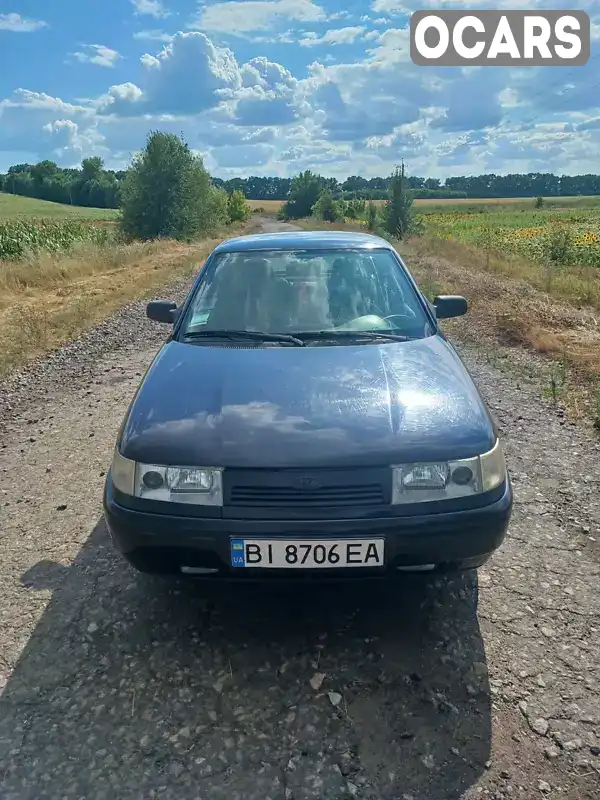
<point x="371" y="404"/>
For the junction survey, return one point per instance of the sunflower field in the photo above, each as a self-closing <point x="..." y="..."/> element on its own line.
<point x="568" y="238"/>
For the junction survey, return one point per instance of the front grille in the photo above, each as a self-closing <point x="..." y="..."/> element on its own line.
<point x="283" y="488"/>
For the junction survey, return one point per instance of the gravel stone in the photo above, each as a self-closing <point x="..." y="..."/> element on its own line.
<point x="540" y="726"/>
<point x="552" y="752"/>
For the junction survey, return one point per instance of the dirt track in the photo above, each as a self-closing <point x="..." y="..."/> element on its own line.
<point x="120" y="686"/>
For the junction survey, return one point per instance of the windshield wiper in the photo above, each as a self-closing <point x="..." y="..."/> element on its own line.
<point x="241" y="334"/>
<point x="396" y="337"/>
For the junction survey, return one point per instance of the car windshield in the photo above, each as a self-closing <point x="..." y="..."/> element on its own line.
<point x="319" y="294"/>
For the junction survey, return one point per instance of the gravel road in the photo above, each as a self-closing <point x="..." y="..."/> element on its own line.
<point x="117" y="685"/>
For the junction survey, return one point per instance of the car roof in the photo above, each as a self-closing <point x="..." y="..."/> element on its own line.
<point x="303" y="240"/>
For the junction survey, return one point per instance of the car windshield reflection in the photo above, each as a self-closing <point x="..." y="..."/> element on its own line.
<point x="307" y="292"/>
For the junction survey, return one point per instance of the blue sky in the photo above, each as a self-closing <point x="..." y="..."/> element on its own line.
<point x="271" y="87"/>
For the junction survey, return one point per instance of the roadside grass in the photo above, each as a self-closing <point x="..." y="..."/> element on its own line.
<point x="13" y="206"/>
<point x="47" y="300"/>
<point x="509" y="311"/>
<point x="514" y="310"/>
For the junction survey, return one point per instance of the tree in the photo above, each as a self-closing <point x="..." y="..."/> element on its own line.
<point x="238" y="208"/>
<point x="168" y="193"/>
<point x="304" y="193"/>
<point x="398" y="211"/>
<point x="91" y="168"/>
<point x="42" y="171"/>
<point x="326" y="208"/>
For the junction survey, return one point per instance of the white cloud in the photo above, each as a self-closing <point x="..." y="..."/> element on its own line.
<point x="24" y="115"/>
<point x="270" y="95"/>
<point x="354" y="118"/>
<point x="150" y="8"/>
<point x="188" y="76"/>
<point x="340" y="36"/>
<point x="393" y="47"/>
<point x="98" y="54"/>
<point x="70" y="144"/>
<point x="244" y="155"/>
<point x="355" y="101"/>
<point x="18" y="24"/>
<point x="242" y="16"/>
<point x="152" y="36"/>
<point x="462" y="114"/>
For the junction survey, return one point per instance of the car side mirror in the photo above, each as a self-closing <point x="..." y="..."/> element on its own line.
<point x="162" y="311"/>
<point x="450" y="305"/>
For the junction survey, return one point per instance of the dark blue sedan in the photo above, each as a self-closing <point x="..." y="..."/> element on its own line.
<point x="307" y="417"/>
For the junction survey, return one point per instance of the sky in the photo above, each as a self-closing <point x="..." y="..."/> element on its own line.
<point x="273" y="87"/>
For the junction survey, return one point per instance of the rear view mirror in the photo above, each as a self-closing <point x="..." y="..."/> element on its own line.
<point x="450" y="305"/>
<point x="162" y="311"/>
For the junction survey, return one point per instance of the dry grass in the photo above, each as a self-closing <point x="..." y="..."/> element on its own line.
<point x="577" y="285"/>
<point x="49" y="300"/>
<point x="509" y="307"/>
<point x="268" y="206"/>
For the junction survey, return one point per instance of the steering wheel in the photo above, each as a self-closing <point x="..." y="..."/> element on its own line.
<point x="403" y="317"/>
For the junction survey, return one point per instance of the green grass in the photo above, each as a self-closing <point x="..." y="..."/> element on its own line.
<point x="14" y="206"/>
<point x="21" y="237"/>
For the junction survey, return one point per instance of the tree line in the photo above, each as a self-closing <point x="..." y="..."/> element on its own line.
<point x="91" y="185"/>
<point x="531" y="184"/>
<point x="94" y="186"/>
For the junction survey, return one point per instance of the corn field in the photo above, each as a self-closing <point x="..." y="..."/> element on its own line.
<point x="19" y="238"/>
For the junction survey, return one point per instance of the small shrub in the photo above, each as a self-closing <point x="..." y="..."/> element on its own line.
<point x="539" y="202"/>
<point x="304" y="193"/>
<point x="371" y="215"/>
<point x="238" y="207"/>
<point x="327" y="209"/>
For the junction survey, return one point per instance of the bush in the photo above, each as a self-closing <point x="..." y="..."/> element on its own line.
<point x="371" y="215"/>
<point x="304" y="193"/>
<point x="355" y="209"/>
<point x="327" y="209"/>
<point x="539" y="202"/>
<point x="168" y="193"/>
<point x="217" y="210"/>
<point x="238" y="208"/>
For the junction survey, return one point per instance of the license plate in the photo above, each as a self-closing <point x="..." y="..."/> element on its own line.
<point x="307" y="554"/>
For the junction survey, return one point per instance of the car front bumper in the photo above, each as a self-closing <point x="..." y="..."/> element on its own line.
<point x="464" y="538"/>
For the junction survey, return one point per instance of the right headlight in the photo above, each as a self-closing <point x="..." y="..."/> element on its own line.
<point x="443" y="480"/>
<point x="196" y="485"/>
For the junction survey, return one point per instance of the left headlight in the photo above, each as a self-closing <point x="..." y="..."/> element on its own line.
<point x="444" y="480"/>
<point x="195" y="485"/>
